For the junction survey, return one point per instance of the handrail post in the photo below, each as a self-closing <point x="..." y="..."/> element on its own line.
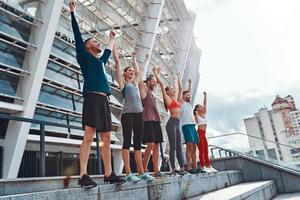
<point x="42" y="150"/>
<point x="98" y="154"/>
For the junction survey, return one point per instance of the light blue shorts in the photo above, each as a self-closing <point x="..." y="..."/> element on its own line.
<point x="190" y="134"/>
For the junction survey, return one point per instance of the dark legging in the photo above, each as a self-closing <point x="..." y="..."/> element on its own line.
<point x="132" y="122"/>
<point x="174" y="136"/>
<point x="203" y="149"/>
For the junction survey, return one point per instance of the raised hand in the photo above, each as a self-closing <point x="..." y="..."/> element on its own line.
<point x="147" y="56"/>
<point x="190" y="80"/>
<point x="112" y="35"/>
<point x="204" y="93"/>
<point x="72" y="5"/>
<point x="133" y="54"/>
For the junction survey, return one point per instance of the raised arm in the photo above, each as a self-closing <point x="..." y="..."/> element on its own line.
<point x="139" y="71"/>
<point x="167" y="99"/>
<point x="80" y="48"/>
<point x="107" y="51"/>
<point x="190" y="85"/>
<point x="204" y="101"/>
<point x="180" y="88"/>
<point x="119" y="77"/>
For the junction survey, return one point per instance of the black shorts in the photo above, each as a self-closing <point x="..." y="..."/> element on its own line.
<point x="152" y="132"/>
<point x="96" y="112"/>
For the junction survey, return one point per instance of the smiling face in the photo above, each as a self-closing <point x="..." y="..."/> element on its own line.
<point x="129" y="73"/>
<point x="151" y="82"/>
<point x="186" y="96"/>
<point x="92" y="46"/>
<point x="170" y="91"/>
<point x="200" y="109"/>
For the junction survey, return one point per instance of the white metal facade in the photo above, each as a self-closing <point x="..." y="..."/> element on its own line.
<point x="40" y="77"/>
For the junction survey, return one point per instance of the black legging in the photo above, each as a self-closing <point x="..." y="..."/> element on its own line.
<point x="132" y="122"/>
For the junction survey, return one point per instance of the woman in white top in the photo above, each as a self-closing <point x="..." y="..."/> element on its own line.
<point x="200" y="118"/>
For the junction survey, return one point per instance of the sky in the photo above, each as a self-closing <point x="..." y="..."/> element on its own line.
<point x="250" y="54"/>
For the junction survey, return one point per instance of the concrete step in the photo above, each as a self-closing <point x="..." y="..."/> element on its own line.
<point x="289" y="196"/>
<point x="261" y="190"/>
<point x="169" y="188"/>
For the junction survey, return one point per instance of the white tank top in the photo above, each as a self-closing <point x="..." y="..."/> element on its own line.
<point x="202" y="120"/>
<point x="187" y="116"/>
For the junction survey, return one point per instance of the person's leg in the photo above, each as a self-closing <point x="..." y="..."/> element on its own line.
<point x="127" y="125"/>
<point x="179" y="153"/>
<point x="137" y="141"/>
<point x="189" y="147"/>
<point x="201" y="149"/>
<point x="105" y="137"/>
<point x="89" y="133"/>
<point x="171" y="132"/>
<point x="155" y="157"/>
<point x="205" y="149"/>
<point x="193" y="155"/>
<point x="147" y="155"/>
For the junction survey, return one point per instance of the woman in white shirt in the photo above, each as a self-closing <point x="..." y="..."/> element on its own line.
<point x="200" y="118"/>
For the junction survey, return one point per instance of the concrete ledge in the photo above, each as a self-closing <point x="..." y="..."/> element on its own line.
<point x="244" y="191"/>
<point x="169" y="188"/>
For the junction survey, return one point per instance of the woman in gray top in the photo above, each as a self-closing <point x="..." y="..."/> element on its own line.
<point x="132" y="115"/>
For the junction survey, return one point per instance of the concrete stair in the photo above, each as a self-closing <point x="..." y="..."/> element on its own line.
<point x="288" y="196"/>
<point x="170" y="188"/>
<point x="260" y="190"/>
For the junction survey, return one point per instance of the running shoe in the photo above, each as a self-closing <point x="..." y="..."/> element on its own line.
<point x="145" y="176"/>
<point x="113" y="178"/>
<point x="212" y="170"/>
<point x="160" y="175"/>
<point x="199" y="170"/>
<point x="183" y="173"/>
<point x="86" y="181"/>
<point x="174" y="173"/>
<point x="192" y="171"/>
<point x="132" y="178"/>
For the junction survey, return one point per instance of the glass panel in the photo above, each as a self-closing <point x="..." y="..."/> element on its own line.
<point x="8" y="84"/>
<point x="56" y="97"/>
<point x="49" y="116"/>
<point x="29" y="7"/>
<point x="11" y="56"/>
<point x="18" y="29"/>
<point x="61" y="74"/>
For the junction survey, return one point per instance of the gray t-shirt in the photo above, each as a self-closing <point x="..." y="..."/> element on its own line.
<point x="132" y="99"/>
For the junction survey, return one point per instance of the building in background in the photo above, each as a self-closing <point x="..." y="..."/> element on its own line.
<point x="40" y="77"/>
<point x="278" y="129"/>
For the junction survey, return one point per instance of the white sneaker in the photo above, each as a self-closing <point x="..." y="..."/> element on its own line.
<point x="206" y="169"/>
<point x="212" y="170"/>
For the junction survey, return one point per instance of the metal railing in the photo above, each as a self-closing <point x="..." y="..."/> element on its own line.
<point x="43" y="134"/>
<point x="42" y="124"/>
<point x="228" y="152"/>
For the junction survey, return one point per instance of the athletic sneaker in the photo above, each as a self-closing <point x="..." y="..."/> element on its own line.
<point x="212" y="170"/>
<point x="113" y="178"/>
<point x="206" y="169"/>
<point x="183" y="173"/>
<point x="199" y="170"/>
<point x="145" y="176"/>
<point x="160" y="175"/>
<point x="192" y="171"/>
<point x="174" y="173"/>
<point x="132" y="178"/>
<point x="86" y="181"/>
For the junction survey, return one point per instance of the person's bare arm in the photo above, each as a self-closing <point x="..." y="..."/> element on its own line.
<point x="190" y="85"/>
<point x="156" y="72"/>
<point x="143" y="89"/>
<point x="142" y="69"/>
<point x="180" y="88"/>
<point x="119" y="77"/>
<point x="112" y="37"/>
<point x="205" y="102"/>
